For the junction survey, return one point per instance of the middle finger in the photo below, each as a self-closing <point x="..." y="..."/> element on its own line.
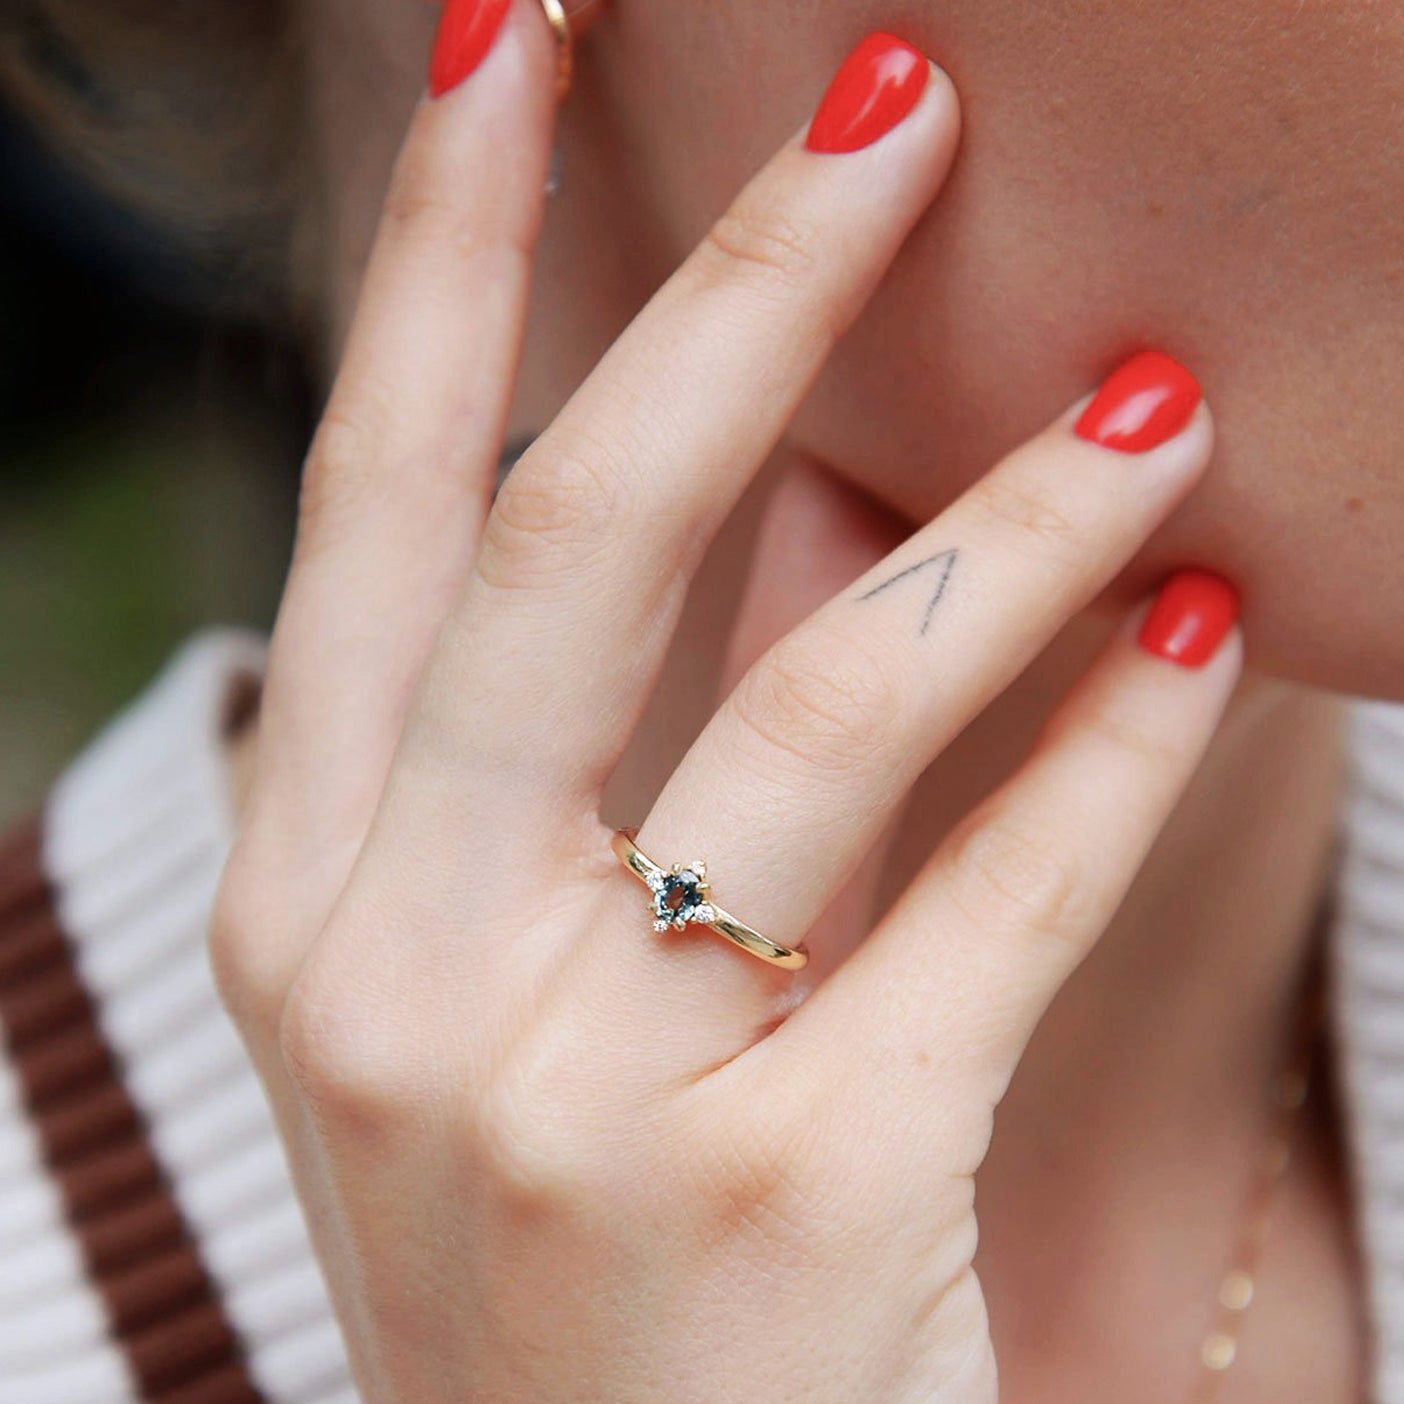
<point x="587" y="555"/>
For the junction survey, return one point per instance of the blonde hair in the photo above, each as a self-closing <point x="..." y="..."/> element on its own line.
<point x="189" y="113"/>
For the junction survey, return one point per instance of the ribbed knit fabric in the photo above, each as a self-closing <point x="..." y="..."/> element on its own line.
<point x="151" y="1247"/>
<point x="133" y="840"/>
<point x="1368" y="954"/>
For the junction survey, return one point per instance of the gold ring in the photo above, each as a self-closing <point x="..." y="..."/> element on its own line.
<point x="682" y="897"/>
<point x="565" y="45"/>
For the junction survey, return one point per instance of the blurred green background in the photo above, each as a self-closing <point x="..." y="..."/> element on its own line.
<point x="148" y="460"/>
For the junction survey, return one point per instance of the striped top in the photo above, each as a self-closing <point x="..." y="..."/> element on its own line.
<point x="151" y="1248"/>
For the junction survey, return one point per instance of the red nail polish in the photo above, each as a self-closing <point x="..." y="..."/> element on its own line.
<point x="878" y="84"/>
<point x="1190" y="618"/>
<point x="466" y="32"/>
<point x="1142" y="405"/>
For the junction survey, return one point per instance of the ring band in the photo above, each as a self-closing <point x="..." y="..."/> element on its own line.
<point x="681" y="897"/>
<point x="565" y="44"/>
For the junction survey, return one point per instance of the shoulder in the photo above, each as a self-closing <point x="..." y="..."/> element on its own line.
<point x="146" y="1205"/>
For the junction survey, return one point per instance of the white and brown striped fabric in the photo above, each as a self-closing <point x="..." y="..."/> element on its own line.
<point x="151" y="1247"/>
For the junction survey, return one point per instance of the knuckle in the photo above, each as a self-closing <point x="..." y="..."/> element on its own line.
<point x="1129" y="736"/>
<point x="341" y="467"/>
<point x="557" y="501"/>
<point x="414" y="214"/>
<point x="1030" y="512"/>
<point x="250" y="963"/>
<point x="526" y="1147"/>
<point x="761" y="1182"/>
<point x="1007" y="875"/>
<point x="833" y="713"/>
<point x="350" y="1064"/>
<point x="757" y="245"/>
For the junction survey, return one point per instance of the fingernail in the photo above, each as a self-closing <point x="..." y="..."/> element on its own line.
<point x="877" y="86"/>
<point x="1190" y="618"/>
<point x="465" y="35"/>
<point x="1142" y="405"/>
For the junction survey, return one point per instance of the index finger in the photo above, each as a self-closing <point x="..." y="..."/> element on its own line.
<point x="402" y="466"/>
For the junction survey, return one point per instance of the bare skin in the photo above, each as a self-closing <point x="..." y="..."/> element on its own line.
<point x="1166" y="1036"/>
<point x="1096" y="1293"/>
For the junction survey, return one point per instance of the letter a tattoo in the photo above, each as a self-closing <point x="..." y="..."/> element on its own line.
<point x="944" y="563"/>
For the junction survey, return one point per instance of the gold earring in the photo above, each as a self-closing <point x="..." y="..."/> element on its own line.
<point x="565" y="44"/>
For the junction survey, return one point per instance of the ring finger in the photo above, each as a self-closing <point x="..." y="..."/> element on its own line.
<point x="793" y="779"/>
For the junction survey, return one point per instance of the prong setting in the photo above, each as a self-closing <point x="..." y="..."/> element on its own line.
<point x="680" y="897"/>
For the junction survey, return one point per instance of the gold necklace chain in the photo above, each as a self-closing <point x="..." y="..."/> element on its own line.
<point x="1238" y="1287"/>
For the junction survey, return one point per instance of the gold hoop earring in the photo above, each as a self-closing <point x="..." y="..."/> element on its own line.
<point x="565" y="44"/>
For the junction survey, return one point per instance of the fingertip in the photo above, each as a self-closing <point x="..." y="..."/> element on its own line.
<point x="941" y="90"/>
<point x="1192" y="621"/>
<point x="1150" y="405"/>
<point x="486" y="43"/>
<point x="944" y="97"/>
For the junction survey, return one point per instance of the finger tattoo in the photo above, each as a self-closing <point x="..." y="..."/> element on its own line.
<point x="940" y="566"/>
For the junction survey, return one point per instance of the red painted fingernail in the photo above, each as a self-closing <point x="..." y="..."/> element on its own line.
<point x="466" y="32"/>
<point x="1144" y="403"/>
<point x="1190" y="618"/>
<point x="878" y="84"/>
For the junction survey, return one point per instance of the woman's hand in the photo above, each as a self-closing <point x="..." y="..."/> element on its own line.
<point x="548" y="1155"/>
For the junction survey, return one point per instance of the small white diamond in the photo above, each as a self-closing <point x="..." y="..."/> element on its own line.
<point x="656" y="881"/>
<point x="661" y="925"/>
<point x="705" y="913"/>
